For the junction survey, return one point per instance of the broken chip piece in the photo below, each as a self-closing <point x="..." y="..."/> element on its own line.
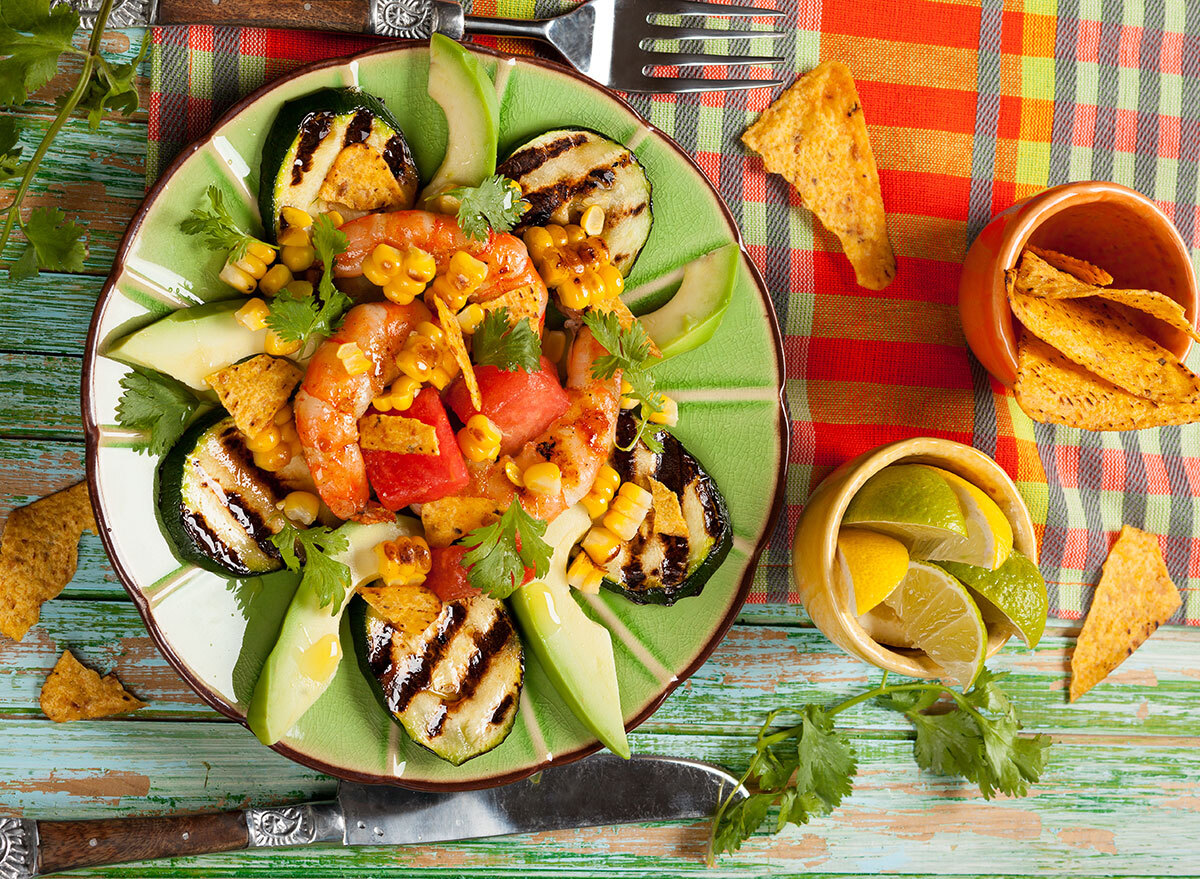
<point x="668" y="514"/>
<point x="454" y="339"/>
<point x="1134" y="597"/>
<point x="361" y="180"/>
<point x="255" y="389"/>
<point x="75" y="692"/>
<point x="397" y="433"/>
<point x="38" y="554"/>
<point x="814" y="135"/>
<point x="409" y="608"/>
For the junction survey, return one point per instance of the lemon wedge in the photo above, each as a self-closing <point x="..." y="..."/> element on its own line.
<point x="871" y="565"/>
<point x="937" y="614"/>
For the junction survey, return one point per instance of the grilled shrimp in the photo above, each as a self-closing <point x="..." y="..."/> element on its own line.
<point x="330" y="400"/>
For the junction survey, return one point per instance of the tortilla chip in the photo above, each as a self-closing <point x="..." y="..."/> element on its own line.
<point x="1135" y="596"/>
<point x="450" y="518"/>
<point x="75" y="692"/>
<point x="1092" y="335"/>
<point x="254" y="390"/>
<point x="668" y="515"/>
<point x="1080" y="268"/>
<point x="1052" y="389"/>
<point x="361" y="180"/>
<point x="1158" y="305"/>
<point x="397" y="433"/>
<point x="410" y="609"/>
<point x="625" y="318"/>
<point x="815" y="136"/>
<point x="38" y="555"/>
<point x="454" y="338"/>
<point x="521" y="302"/>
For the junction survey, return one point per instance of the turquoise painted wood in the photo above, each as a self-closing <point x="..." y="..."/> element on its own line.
<point x="1120" y="797"/>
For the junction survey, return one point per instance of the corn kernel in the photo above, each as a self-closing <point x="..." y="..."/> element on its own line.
<point x="261" y="251"/>
<point x="603" y="489"/>
<point x="558" y="234"/>
<point x="467" y="272"/>
<point x="277" y="347"/>
<point x="431" y="331"/>
<point x="403" y="391"/>
<point x="444" y="289"/>
<point x="627" y="402"/>
<point x="537" y="241"/>
<point x="601" y="544"/>
<point x="353" y="359"/>
<point x="470" y="318"/>
<point x="593" y="283"/>
<point x="592" y="220"/>
<point x="402" y="289"/>
<point x="297" y="217"/>
<point x="382" y="403"/>
<point x="628" y="510"/>
<point x="274" y="459"/>
<point x="405" y="561"/>
<point x="575" y="234"/>
<point x="251" y="265"/>
<point x="583" y="575"/>
<point x="300" y="288"/>
<point x="480" y="439"/>
<point x="287" y="433"/>
<point x="301" y="507"/>
<point x="373" y="273"/>
<point x="298" y="257"/>
<point x="388" y="259"/>
<point x="265" y="440"/>
<point x="294" y="236"/>
<point x="553" y="269"/>
<point x="335" y="217"/>
<point x="514" y="474"/>
<point x="574" y="294"/>
<point x="614" y="281"/>
<point x="668" y="414"/>
<point x="635" y="494"/>
<point x="276" y="278"/>
<point x="253" y="315"/>
<point x="237" y="278"/>
<point x="419" y="265"/>
<point x="554" y="345"/>
<point x="596" y="251"/>
<point x="543" y="478"/>
<point x="284" y="415"/>
<point x="418" y="358"/>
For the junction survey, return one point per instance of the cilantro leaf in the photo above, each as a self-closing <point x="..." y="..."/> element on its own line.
<point x="294" y="318"/>
<point x="498" y="554"/>
<point x="10" y="152"/>
<point x="739" y="822"/>
<point x="495" y="204"/>
<point x="629" y="351"/>
<point x="54" y="244"/>
<point x="217" y="227"/>
<point x="110" y="90"/>
<point x="157" y="405"/>
<point x="328" y="578"/>
<point x="827" y="762"/>
<point x="32" y="36"/>
<point x="508" y="347"/>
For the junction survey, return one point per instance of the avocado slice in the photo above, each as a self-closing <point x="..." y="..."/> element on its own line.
<point x="576" y="652"/>
<point x="693" y="314"/>
<point x="464" y="91"/>
<point x="191" y="343"/>
<point x="308" y="650"/>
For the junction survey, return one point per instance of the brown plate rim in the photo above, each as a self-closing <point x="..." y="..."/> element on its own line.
<point x="91" y="438"/>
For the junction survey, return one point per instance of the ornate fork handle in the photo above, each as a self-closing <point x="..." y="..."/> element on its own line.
<point x="18" y="848"/>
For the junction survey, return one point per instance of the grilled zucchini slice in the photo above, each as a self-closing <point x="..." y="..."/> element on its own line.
<point x="335" y="149"/>
<point x="563" y="172"/>
<point x="658" y="568"/>
<point x="454" y="686"/>
<point x="216" y="508"/>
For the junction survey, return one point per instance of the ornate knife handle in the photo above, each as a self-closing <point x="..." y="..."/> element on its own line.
<point x="37" y="848"/>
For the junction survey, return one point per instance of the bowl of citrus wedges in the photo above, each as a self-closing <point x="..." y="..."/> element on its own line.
<point x="920" y="558"/>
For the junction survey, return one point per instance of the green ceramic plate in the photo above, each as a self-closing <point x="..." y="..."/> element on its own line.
<point x="217" y="632"/>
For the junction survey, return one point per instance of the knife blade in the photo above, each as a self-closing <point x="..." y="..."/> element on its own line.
<point x="596" y="791"/>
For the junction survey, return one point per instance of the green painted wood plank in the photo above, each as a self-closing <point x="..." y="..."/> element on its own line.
<point x="31" y="320"/>
<point x="39" y="396"/>
<point x="1101" y="810"/>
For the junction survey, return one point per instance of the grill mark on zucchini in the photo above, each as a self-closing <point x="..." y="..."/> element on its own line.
<point x="525" y="161"/>
<point x="487" y="648"/>
<point x="542" y="202"/>
<point x="359" y="128"/>
<point x="313" y="130"/>
<point x="416" y="677"/>
<point x="434" y="727"/>
<point x="199" y="531"/>
<point x="398" y="159"/>
<point x="502" y="709"/>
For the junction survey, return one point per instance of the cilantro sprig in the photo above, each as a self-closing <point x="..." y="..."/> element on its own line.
<point x="629" y="350"/>
<point x="217" y="228"/>
<point x="494" y="204"/>
<point x="293" y="317"/>
<point x="328" y="578"/>
<point x="498" y="554"/>
<point x="808" y="769"/>
<point x="158" y="406"/>
<point x="33" y="37"/>
<point x="505" y="345"/>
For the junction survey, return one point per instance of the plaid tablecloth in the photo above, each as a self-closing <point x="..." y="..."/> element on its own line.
<point x="971" y="106"/>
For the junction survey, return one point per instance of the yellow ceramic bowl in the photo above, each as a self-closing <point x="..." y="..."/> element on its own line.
<point x="827" y="599"/>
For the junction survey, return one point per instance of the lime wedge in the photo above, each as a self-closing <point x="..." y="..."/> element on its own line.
<point x="911" y="503"/>
<point x="1016" y="590"/>
<point x="882" y="624"/>
<point x="989" y="537"/>
<point x="939" y="616"/>
<point x="871" y="564"/>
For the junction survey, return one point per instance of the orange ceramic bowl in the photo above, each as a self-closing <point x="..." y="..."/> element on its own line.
<point x="1107" y="224"/>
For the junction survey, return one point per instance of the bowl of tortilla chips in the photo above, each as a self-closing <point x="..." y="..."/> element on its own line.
<point x="1083" y="299"/>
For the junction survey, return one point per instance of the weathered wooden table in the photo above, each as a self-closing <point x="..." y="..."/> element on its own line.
<point x="1121" y="795"/>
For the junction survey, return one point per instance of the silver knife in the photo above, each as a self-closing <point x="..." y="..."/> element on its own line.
<point x="596" y="791"/>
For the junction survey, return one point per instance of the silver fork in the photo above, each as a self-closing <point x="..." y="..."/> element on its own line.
<point x="610" y="41"/>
